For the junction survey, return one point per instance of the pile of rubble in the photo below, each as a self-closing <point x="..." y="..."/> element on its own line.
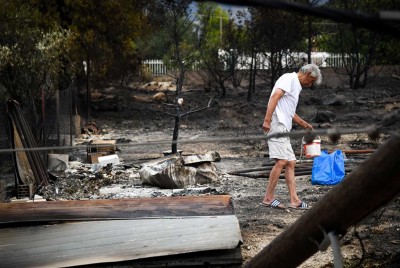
<point x="167" y="176"/>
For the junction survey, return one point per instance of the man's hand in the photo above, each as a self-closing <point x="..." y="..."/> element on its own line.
<point x="266" y="126"/>
<point x="308" y="126"/>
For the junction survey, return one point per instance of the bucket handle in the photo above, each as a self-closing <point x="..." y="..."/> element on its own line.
<point x="303" y="142"/>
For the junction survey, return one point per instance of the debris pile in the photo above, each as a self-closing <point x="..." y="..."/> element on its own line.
<point x="155" y="178"/>
<point x="179" y="171"/>
<point x="84" y="181"/>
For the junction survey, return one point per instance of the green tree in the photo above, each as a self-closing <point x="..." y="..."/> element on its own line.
<point x="103" y="34"/>
<point x="217" y="58"/>
<point x="105" y="37"/>
<point x="32" y="58"/>
<point x="106" y="33"/>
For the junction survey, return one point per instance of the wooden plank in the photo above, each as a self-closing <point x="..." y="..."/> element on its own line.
<point x="116" y="208"/>
<point x="102" y="142"/>
<point x="81" y="243"/>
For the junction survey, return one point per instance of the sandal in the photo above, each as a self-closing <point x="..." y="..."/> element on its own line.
<point x="274" y="204"/>
<point x="303" y="205"/>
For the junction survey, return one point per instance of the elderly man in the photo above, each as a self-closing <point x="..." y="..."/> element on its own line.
<point x="281" y="111"/>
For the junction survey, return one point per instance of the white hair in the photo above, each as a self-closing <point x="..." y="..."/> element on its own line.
<point x="314" y="70"/>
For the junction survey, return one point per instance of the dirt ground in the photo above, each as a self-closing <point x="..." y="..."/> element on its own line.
<point x="373" y="243"/>
<point x="139" y="119"/>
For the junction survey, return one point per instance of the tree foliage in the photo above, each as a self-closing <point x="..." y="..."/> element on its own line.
<point x="106" y="33"/>
<point x="278" y="33"/>
<point x="220" y="46"/>
<point x="44" y="43"/>
<point x="31" y="56"/>
<point x="359" y="48"/>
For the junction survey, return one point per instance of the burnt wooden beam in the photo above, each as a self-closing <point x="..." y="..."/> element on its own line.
<point x="104" y="209"/>
<point x="269" y="167"/>
<point x="374" y="183"/>
<point x="352" y="152"/>
<point x="266" y="175"/>
<point x="255" y="173"/>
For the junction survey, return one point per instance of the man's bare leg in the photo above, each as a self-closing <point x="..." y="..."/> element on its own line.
<point x="291" y="183"/>
<point x="273" y="180"/>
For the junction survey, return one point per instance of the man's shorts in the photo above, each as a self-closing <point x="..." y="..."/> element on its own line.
<point x="280" y="148"/>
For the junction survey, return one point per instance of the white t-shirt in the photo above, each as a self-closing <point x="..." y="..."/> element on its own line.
<point x="286" y="107"/>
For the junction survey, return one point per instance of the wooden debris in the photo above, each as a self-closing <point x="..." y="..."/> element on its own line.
<point x="105" y="209"/>
<point x="72" y="233"/>
<point x="91" y="129"/>
<point x="99" y="148"/>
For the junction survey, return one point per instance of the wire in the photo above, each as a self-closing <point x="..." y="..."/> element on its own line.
<point x="293" y="134"/>
<point x="357" y="235"/>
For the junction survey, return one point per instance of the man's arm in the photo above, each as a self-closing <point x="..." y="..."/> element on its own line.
<point x="273" y="101"/>
<point x="298" y="120"/>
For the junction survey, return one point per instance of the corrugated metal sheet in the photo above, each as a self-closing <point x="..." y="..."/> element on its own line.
<point x="71" y="233"/>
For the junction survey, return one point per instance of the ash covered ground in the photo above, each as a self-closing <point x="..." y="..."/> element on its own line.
<point x="138" y="119"/>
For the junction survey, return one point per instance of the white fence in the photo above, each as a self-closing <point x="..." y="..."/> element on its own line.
<point x="156" y="67"/>
<point x="322" y="59"/>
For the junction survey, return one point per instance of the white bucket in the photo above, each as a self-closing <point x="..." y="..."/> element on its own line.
<point x="313" y="148"/>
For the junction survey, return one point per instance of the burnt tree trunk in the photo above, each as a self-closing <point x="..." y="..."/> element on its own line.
<point x="175" y="135"/>
<point x="179" y="86"/>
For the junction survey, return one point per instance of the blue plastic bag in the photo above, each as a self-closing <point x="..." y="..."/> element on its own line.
<point x="328" y="169"/>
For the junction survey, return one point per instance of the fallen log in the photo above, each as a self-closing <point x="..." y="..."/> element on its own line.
<point x="298" y="162"/>
<point x="242" y="171"/>
<point x="364" y="151"/>
<point x="373" y="184"/>
<point x="298" y="172"/>
<point x="239" y="171"/>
